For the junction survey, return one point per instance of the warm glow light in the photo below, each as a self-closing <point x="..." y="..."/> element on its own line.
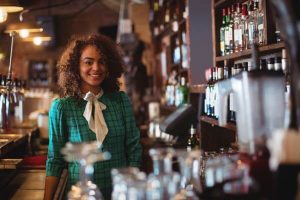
<point x="3" y="15"/>
<point x="37" y="41"/>
<point x="24" y="33"/>
<point x="2" y="56"/>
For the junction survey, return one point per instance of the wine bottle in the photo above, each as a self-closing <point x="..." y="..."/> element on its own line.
<point x="193" y="141"/>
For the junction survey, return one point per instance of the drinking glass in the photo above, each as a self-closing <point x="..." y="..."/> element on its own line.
<point x="163" y="183"/>
<point x="86" y="154"/>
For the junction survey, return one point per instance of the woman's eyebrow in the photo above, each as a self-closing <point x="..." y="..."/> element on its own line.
<point x="88" y="58"/>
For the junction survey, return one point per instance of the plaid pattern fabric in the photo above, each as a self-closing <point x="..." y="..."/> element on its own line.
<point x="66" y="123"/>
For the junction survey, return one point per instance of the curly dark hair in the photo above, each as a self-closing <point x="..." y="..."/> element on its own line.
<point x="68" y="66"/>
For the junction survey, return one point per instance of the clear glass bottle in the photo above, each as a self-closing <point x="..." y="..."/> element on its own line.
<point x="222" y="33"/>
<point x="260" y="23"/>
<point x="229" y="45"/>
<point x="237" y="28"/>
<point x="244" y="28"/>
<point x="251" y="24"/>
<point x="184" y="51"/>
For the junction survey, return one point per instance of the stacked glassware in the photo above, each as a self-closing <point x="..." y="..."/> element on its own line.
<point x="86" y="154"/>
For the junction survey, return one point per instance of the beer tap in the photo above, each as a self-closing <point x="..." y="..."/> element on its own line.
<point x="7" y="96"/>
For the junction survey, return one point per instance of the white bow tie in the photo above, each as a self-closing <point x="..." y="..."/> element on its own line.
<point x="97" y="123"/>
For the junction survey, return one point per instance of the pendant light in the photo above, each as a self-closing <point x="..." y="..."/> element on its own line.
<point x="24" y="29"/>
<point x="38" y="38"/>
<point x="8" y="6"/>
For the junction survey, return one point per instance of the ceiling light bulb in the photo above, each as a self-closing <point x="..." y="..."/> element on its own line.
<point x="3" y="15"/>
<point x="24" y="33"/>
<point x="37" y="41"/>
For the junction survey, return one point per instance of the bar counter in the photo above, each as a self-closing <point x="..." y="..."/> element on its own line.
<point x="18" y="178"/>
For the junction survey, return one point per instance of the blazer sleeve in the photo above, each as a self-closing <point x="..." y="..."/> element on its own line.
<point x="132" y="140"/>
<point x="57" y="139"/>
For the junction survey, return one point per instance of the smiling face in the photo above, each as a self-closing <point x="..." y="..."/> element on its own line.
<point x="92" y="70"/>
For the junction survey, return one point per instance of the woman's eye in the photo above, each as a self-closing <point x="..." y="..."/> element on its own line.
<point x="88" y="62"/>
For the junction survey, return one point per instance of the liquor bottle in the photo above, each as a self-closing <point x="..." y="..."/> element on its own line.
<point x="181" y="96"/>
<point x="185" y="13"/>
<point x="193" y="141"/>
<point x="229" y="33"/>
<point x="184" y="51"/>
<point x="244" y="28"/>
<point x="222" y="33"/>
<point x="184" y="90"/>
<point x="255" y="16"/>
<point x="237" y="33"/>
<point x="161" y="15"/>
<point x="167" y="13"/>
<point x="209" y="74"/>
<point x="231" y="24"/>
<point x="170" y="89"/>
<point x="251" y="24"/>
<point x="260" y="23"/>
<point x="175" y="18"/>
<point x="207" y="101"/>
<point x="176" y="53"/>
<point x="213" y="93"/>
<point x="155" y="17"/>
<point x="220" y="73"/>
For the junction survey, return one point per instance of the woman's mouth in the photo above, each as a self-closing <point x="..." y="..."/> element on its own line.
<point x="96" y="75"/>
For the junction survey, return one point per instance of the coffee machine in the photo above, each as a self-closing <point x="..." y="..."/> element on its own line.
<point x="260" y="105"/>
<point x="260" y="111"/>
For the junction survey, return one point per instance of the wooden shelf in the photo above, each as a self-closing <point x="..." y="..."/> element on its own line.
<point x="247" y="53"/>
<point x="214" y="122"/>
<point x="197" y="88"/>
<point x="225" y="3"/>
<point x="164" y="109"/>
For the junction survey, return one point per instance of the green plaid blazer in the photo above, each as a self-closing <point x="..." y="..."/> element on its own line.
<point x="66" y="123"/>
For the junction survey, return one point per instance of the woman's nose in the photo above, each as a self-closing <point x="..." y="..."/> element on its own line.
<point x="98" y="67"/>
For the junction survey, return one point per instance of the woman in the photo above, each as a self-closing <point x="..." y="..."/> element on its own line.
<point x="89" y="68"/>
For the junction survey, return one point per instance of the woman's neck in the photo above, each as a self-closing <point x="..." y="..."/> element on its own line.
<point x="94" y="90"/>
